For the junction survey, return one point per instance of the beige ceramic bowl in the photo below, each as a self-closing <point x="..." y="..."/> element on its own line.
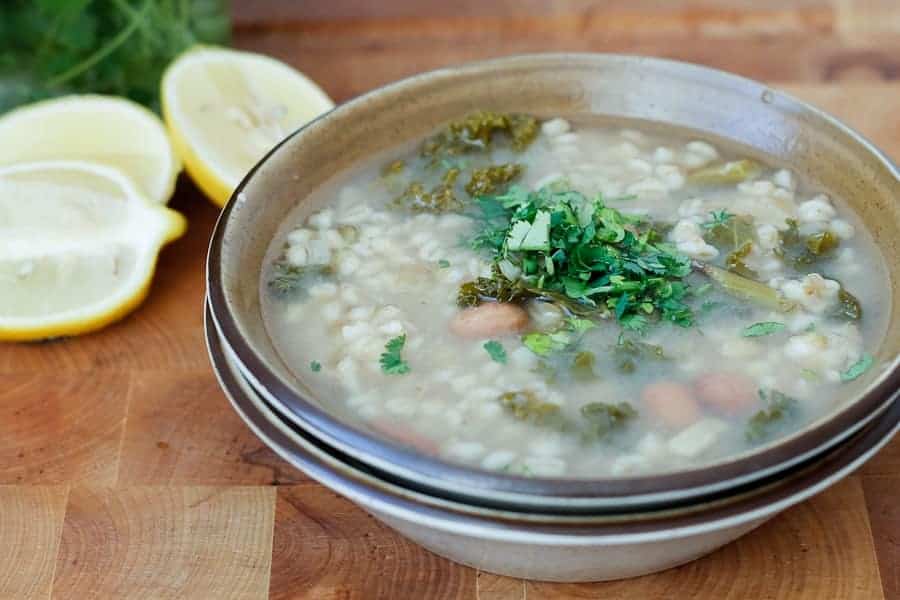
<point x="766" y="122"/>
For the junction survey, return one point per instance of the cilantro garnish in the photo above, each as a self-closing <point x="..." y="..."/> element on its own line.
<point x="496" y="351"/>
<point x="391" y="362"/>
<point x="315" y="366"/>
<point x="593" y="259"/>
<point x="443" y="263"/>
<point x="858" y="368"/>
<point x="721" y="217"/>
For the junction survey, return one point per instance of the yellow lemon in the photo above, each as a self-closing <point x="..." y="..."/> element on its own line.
<point x="99" y="129"/>
<point x="225" y="109"/>
<point x="78" y="247"/>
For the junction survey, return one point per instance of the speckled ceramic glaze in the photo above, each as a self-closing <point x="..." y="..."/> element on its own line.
<point x="687" y="96"/>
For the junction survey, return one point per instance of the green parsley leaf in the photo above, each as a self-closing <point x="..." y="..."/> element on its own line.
<point x="315" y="366"/>
<point x="762" y="328"/>
<point x="858" y="368"/>
<point x="391" y="362"/>
<point x="721" y="217"/>
<point x="444" y="263"/>
<point x="517" y="234"/>
<point x="496" y="350"/>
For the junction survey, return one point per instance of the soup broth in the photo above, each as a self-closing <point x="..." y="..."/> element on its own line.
<point x="575" y="299"/>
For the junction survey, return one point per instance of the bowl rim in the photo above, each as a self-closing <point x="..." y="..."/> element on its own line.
<point x="829" y="431"/>
<point x="364" y="488"/>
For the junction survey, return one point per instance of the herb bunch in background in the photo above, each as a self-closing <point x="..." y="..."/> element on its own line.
<point x="120" y="47"/>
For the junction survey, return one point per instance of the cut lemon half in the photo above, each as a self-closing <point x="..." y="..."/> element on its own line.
<point x="225" y="109"/>
<point x="99" y="129"/>
<point x="78" y="247"/>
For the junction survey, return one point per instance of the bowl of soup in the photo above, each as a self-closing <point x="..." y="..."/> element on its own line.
<point x="584" y="547"/>
<point x="567" y="282"/>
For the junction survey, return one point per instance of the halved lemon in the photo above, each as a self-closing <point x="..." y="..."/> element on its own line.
<point x="78" y="247"/>
<point x="225" y="109"/>
<point x="99" y="129"/>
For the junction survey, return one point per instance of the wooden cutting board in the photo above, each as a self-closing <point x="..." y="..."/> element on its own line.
<point x="125" y="473"/>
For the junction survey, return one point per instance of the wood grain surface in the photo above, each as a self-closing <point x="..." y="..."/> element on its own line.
<point x="125" y="474"/>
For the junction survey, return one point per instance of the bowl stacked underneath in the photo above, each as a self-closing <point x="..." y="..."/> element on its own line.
<point x="546" y="528"/>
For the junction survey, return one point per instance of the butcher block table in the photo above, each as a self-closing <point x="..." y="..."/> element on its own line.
<point x="126" y="474"/>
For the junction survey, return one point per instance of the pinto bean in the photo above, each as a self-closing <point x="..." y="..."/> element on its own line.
<point x="404" y="435"/>
<point x="672" y="403"/>
<point x="729" y="393"/>
<point x="488" y="320"/>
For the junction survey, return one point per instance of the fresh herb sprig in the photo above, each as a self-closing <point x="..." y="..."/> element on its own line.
<point x="557" y="241"/>
<point x="120" y="47"/>
<point x="391" y="361"/>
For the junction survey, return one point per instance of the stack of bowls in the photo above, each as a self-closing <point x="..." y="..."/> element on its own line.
<point x="542" y="528"/>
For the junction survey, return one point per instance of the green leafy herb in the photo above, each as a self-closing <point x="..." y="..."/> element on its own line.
<point x="765" y="423"/>
<point x="496" y="288"/>
<point x="543" y="344"/>
<point x="119" y="47"/>
<point x="822" y="244"/>
<point x="496" y="351"/>
<point x="762" y="328"/>
<point x="493" y="179"/>
<point x="525" y="405"/>
<point x="476" y="133"/>
<point x="733" y="235"/>
<point x="440" y="199"/>
<point x="391" y="362"/>
<point x="848" y="307"/>
<point x="565" y="338"/>
<point x="602" y="418"/>
<point x="315" y="366"/>
<point x="718" y="219"/>
<point x="444" y="263"/>
<point x="590" y="258"/>
<point x="858" y="368"/>
<point x="288" y="279"/>
<point x="802" y="253"/>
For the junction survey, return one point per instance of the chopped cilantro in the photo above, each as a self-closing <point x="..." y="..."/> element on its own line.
<point x="315" y="366"/>
<point x="444" y="263"/>
<point x="858" y="368"/>
<point x="496" y="351"/>
<point x="592" y="260"/>
<point x="721" y="217"/>
<point x="391" y="361"/>
<point x="762" y="328"/>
